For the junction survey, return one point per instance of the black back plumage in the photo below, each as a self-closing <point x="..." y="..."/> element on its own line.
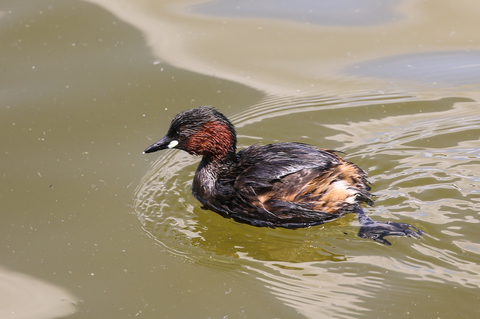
<point x="262" y="188"/>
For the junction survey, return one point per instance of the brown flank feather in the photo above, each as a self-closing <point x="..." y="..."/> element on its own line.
<point x="333" y="191"/>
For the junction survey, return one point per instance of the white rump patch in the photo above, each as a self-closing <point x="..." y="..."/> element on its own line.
<point x="351" y="191"/>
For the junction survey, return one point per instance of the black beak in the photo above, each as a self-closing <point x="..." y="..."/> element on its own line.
<point x="164" y="143"/>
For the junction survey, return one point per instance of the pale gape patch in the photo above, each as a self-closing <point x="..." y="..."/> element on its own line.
<point x="172" y="144"/>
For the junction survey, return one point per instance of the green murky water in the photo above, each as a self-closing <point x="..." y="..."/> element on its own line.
<point x="93" y="228"/>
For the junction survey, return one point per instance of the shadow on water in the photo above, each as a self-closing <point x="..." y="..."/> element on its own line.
<point x="331" y="12"/>
<point x="447" y="69"/>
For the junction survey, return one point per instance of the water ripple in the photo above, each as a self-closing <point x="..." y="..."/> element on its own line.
<point x="422" y="156"/>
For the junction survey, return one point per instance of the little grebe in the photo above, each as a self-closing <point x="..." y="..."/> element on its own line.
<point x="287" y="185"/>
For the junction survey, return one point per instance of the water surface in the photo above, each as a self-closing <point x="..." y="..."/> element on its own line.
<point x="86" y="86"/>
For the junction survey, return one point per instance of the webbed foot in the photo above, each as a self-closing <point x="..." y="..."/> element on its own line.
<point x="378" y="230"/>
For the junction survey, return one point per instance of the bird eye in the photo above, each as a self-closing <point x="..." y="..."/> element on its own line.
<point x="182" y="136"/>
